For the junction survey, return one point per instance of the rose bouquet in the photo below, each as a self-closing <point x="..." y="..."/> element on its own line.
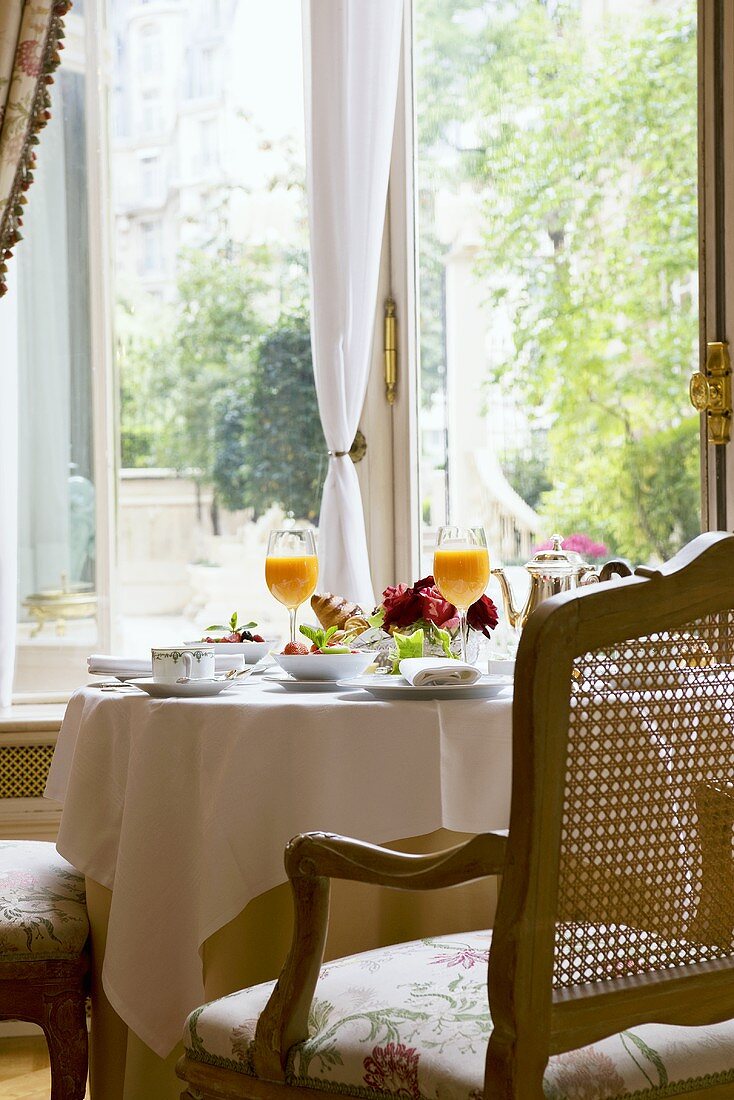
<point x="407" y="609"/>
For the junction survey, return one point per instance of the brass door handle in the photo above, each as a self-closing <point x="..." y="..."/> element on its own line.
<point x="710" y="392"/>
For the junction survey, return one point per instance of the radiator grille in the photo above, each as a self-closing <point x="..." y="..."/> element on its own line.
<point x="23" y="770"/>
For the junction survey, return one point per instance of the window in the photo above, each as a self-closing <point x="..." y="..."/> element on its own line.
<point x="557" y="276"/>
<point x="151" y="248"/>
<point x="213" y="343"/>
<point x="150" y="177"/>
<point x="206" y="71"/>
<point x="150" y="50"/>
<point x="557" y="238"/>
<point x="58" y="494"/>
<point x="151" y="111"/>
<point x="208" y="142"/>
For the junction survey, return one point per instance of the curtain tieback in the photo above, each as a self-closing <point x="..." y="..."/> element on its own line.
<point x="338" y="454"/>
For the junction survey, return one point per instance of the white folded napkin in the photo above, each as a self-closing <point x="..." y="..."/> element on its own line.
<point x="437" y="672"/>
<point x="102" y="664"/>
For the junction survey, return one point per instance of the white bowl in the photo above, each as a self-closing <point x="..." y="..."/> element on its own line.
<point x="323" y="666"/>
<point x="251" y="651"/>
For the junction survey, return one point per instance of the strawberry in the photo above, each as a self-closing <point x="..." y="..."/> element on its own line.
<point x="296" y="648"/>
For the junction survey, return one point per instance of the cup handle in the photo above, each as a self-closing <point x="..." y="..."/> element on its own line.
<point x="188" y="662"/>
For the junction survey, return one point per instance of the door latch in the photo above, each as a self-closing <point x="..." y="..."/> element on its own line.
<point x="710" y="392"/>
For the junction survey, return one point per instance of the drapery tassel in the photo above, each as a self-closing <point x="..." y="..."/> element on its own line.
<point x="40" y="113"/>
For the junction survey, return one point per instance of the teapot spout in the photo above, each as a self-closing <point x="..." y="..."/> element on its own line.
<point x="514" y="617"/>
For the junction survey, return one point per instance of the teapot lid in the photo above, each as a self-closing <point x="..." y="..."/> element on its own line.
<point x="557" y="561"/>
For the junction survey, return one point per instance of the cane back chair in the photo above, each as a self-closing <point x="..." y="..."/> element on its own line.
<point x="611" y="965"/>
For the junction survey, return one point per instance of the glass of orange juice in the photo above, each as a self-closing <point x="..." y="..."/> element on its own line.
<point x="291" y="569"/>
<point x="461" y="570"/>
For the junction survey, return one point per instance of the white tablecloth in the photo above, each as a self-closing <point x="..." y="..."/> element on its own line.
<point x="183" y="808"/>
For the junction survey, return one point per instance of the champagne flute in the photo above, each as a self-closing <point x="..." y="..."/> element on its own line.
<point x="461" y="570"/>
<point x="291" y="569"/>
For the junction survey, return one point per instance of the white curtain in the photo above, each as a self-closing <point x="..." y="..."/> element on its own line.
<point x="351" y="62"/>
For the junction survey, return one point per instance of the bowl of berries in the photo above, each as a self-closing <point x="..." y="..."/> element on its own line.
<point x="234" y="639"/>
<point x="321" y="657"/>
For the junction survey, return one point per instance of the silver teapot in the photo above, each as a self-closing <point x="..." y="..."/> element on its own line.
<point x="553" y="571"/>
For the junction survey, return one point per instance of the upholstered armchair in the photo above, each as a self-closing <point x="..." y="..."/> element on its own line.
<point x="43" y="958"/>
<point x="610" y="970"/>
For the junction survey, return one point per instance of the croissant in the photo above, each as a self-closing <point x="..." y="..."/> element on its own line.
<point x="333" y="610"/>
<point x="356" y="624"/>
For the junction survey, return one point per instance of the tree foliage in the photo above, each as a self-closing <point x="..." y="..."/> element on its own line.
<point x="222" y="386"/>
<point x="583" y="158"/>
<point x="271" y="448"/>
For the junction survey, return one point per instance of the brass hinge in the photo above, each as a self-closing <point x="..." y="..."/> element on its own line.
<point x="710" y="392"/>
<point x="391" y="351"/>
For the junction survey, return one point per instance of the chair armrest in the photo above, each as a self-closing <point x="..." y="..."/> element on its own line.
<point x="314" y="855"/>
<point x="311" y="860"/>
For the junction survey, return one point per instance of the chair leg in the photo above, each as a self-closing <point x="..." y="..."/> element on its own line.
<point x="65" y="1027"/>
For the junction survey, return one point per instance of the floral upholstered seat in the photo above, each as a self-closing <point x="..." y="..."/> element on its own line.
<point x="413" y="1021"/>
<point x="42" y="903"/>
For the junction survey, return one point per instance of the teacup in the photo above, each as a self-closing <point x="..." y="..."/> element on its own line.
<point x="171" y="663"/>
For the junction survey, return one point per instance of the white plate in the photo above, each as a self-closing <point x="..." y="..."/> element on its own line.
<point x="195" y="689"/>
<point x="289" y="683"/>
<point x="397" y="687"/>
<point x="251" y="651"/>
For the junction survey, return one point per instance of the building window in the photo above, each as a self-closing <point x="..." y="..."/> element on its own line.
<point x="151" y="248"/>
<point x="150" y="177"/>
<point x="151" y="115"/>
<point x="150" y="50"/>
<point x="208" y="142"/>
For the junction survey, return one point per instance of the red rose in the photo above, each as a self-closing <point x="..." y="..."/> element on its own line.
<point x="402" y="605"/>
<point x="435" y="609"/>
<point x="482" y="616"/>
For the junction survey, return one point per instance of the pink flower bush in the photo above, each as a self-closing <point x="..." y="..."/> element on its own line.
<point x="393" y="1068"/>
<point x="582" y="544"/>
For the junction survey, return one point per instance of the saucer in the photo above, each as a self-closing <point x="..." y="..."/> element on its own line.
<point x="289" y="683"/>
<point x="194" y="689"/>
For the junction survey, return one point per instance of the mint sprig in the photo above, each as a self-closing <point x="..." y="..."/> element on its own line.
<point x="319" y="638"/>
<point x="232" y="625"/>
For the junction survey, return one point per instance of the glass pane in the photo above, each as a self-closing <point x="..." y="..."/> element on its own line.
<point x="220" y="435"/>
<point x="56" y="491"/>
<point x="557" y="229"/>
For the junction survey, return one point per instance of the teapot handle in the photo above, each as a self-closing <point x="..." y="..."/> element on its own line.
<point x="617" y="567"/>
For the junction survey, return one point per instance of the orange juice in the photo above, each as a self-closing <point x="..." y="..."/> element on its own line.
<point x="292" y="580"/>
<point x="461" y="575"/>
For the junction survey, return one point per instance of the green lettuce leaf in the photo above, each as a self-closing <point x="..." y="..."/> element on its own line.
<point x="377" y="618"/>
<point x="444" y="638"/>
<point x="408" y="645"/>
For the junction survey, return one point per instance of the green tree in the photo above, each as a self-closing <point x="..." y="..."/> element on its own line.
<point x="219" y="319"/>
<point x="584" y="158"/>
<point x="270" y="446"/>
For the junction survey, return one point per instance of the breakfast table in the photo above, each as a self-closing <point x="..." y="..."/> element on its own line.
<point x="178" y="811"/>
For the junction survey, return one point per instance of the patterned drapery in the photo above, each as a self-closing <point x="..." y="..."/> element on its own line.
<point x="30" y="40"/>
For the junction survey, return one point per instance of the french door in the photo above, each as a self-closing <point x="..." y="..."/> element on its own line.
<point x="559" y="246"/>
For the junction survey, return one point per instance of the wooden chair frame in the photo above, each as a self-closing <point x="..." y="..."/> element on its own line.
<point x="53" y="994"/>
<point x="531" y="1020"/>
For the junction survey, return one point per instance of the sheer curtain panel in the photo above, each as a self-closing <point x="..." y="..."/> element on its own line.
<point x="30" y="33"/>
<point x="351" y="62"/>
